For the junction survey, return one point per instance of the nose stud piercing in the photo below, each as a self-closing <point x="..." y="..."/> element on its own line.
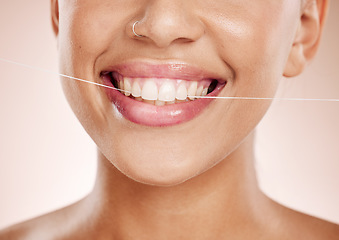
<point x="133" y="29"/>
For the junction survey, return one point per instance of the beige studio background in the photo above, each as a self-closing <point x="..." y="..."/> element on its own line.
<point x="47" y="160"/>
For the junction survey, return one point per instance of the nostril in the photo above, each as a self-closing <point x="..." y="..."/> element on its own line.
<point x="166" y="22"/>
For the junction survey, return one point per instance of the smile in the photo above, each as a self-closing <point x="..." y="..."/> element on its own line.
<point x="161" y="91"/>
<point x="160" y="95"/>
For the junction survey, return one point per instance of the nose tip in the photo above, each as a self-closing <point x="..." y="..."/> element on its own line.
<point x="167" y="22"/>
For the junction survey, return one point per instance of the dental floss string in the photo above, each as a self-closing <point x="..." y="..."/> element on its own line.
<point x="60" y="74"/>
<point x="263" y="98"/>
<point x="215" y="97"/>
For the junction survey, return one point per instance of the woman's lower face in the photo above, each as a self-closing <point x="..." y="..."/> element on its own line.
<point x="153" y="129"/>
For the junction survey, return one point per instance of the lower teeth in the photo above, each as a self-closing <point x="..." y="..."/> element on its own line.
<point x="158" y="102"/>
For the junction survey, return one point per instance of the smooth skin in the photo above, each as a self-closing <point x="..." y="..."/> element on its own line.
<point x="195" y="180"/>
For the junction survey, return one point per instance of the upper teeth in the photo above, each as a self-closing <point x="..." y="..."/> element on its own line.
<point x="160" y="89"/>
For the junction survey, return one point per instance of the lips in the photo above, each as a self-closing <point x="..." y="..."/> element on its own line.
<point x="160" y="95"/>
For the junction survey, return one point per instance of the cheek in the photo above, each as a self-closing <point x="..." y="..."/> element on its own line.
<point x="86" y="30"/>
<point x="254" y="40"/>
<point x="255" y="43"/>
<point x="93" y="27"/>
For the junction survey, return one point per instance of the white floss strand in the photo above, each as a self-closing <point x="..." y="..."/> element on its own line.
<point x="275" y="98"/>
<point x="215" y="97"/>
<point x="60" y="74"/>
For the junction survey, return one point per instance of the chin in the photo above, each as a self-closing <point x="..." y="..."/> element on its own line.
<point x="159" y="180"/>
<point x="162" y="175"/>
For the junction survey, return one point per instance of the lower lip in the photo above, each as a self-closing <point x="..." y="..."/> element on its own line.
<point x="158" y="116"/>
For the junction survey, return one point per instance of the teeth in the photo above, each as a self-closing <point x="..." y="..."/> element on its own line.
<point x="167" y="92"/>
<point x="150" y="91"/>
<point x="181" y="92"/>
<point x="191" y="92"/>
<point x="127" y="86"/>
<point x="204" y="92"/>
<point x="162" y="91"/>
<point x="159" y="103"/>
<point x="136" y="90"/>
<point x="121" y="85"/>
<point x="200" y="90"/>
<point x="170" y="102"/>
<point x="149" y="101"/>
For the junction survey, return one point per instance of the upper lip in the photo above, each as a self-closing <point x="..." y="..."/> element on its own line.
<point x="168" y="69"/>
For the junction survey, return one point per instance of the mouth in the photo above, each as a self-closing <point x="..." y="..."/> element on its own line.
<point x="161" y="91"/>
<point x="160" y="95"/>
